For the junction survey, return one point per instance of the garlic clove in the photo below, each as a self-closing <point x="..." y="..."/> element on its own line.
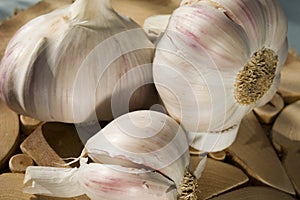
<point x="99" y="181"/>
<point x="115" y="182"/>
<point x="146" y="139"/>
<point x="155" y="25"/>
<point x="51" y="181"/>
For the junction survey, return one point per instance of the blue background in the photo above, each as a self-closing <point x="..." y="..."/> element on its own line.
<point x="291" y="7"/>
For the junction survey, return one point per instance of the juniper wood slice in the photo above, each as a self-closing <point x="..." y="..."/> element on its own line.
<point x="219" y="177"/>
<point x="291" y="163"/>
<point x="28" y="124"/>
<point x="220" y="155"/>
<point x="289" y="86"/>
<point x="51" y="143"/>
<point x="267" y="113"/>
<point x="19" y="162"/>
<point x="9" y="27"/>
<point x="286" y="129"/>
<point x="9" y="133"/>
<point x="139" y="10"/>
<point x="11" y="188"/>
<point x="255" y="193"/>
<point x="253" y="151"/>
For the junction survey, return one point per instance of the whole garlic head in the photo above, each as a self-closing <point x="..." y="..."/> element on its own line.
<point x="64" y="65"/>
<point x="216" y="61"/>
<point x="141" y="154"/>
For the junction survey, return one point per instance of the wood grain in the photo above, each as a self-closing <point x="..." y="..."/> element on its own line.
<point x="255" y="193"/>
<point x="220" y="155"/>
<point x="9" y="133"/>
<point x="11" y="188"/>
<point x="289" y="87"/>
<point x="19" y="162"/>
<point x="219" y="177"/>
<point x="267" y="113"/>
<point x="50" y="143"/>
<point x="253" y="151"/>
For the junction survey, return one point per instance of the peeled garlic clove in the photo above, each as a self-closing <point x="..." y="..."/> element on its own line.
<point x="155" y="25"/>
<point x="143" y="139"/>
<point x="115" y="182"/>
<point x="99" y="181"/>
<point x="216" y="61"/>
<point x="71" y="66"/>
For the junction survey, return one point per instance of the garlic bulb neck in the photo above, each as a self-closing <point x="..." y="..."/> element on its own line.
<point x="256" y="77"/>
<point x="91" y="11"/>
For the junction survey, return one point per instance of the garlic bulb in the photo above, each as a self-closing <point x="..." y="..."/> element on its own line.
<point x="155" y="25"/>
<point x="140" y="154"/>
<point x="64" y="65"/>
<point x="216" y="61"/>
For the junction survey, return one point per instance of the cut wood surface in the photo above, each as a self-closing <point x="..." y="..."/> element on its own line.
<point x="289" y="87"/>
<point x="11" y="188"/>
<point x="9" y="27"/>
<point x="255" y="193"/>
<point x="220" y="155"/>
<point x="291" y="163"/>
<point x="253" y="151"/>
<point x="219" y="177"/>
<point x="9" y="133"/>
<point x="50" y="143"/>
<point x="267" y="113"/>
<point x="19" y="162"/>
<point x="28" y="124"/>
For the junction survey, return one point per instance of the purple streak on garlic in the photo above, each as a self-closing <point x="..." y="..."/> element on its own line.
<point x="216" y="61"/>
<point x="40" y="67"/>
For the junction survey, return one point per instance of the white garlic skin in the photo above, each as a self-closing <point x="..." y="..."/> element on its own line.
<point x="206" y="44"/>
<point x="46" y="71"/>
<point x="143" y="139"/>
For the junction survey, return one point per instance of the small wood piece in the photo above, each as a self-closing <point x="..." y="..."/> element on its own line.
<point x="9" y="133"/>
<point x="219" y="177"/>
<point x="18" y="163"/>
<point x="267" y="113"/>
<point x="50" y="143"/>
<point x="255" y="193"/>
<point x="9" y="27"/>
<point x="289" y="87"/>
<point x="139" y="10"/>
<point x="253" y="151"/>
<point x="11" y="188"/>
<point x="28" y="124"/>
<point x="221" y="155"/>
<point x="286" y="137"/>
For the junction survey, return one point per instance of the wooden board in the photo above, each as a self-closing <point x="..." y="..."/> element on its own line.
<point x="253" y="151"/>
<point x="219" y="177"/>
<point x="9" y="133"/>
<point x="11" y="188"/>
<point x="50" y="143"/>
<point x="255" y="193"/>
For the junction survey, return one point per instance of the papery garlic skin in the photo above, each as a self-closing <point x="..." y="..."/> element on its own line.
<point x="198" y="60"/>
<point x="43" y="64"/>
<point x="155" y="25"/>
<point x="99" y="181"/>
<point x="143" y="139"/>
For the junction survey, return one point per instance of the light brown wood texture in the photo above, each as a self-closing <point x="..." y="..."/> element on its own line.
<point x="28" y="124"/>
<point x="219" y="177"/>
<point x="286" y="137"/>
<point x="9" y="133"/>
<point x="253" y="151"/>
<point x="255" y="193"/>
<point x="50" y="143"/>
<point x="220" y="155"/>
<point x="289" y="87"/>
<point x="267" y="113"/>
<point x="11" y="188"/>
<point x="9" y="27"/>
<point x="19" y="162"/>
<point x="139" y="10"/>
